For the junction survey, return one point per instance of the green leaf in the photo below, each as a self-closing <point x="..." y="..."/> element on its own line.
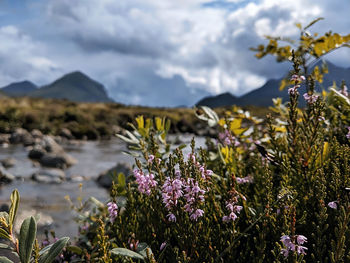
<point x="4" y="234"/>
<point x="75" y="249"/>
<point x="121" y="180"/>
<point x="124" y="252"/>
<point x="54" y="251"/>
<point x="142" y="249"/>
<point x="5" y="260"/>
<point x="26" y="239"/>
<point x="5" y="246"/>
<point x="14" y="207"/>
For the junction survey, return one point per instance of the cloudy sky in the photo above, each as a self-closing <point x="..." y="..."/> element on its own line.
<point x="156" y="52"/>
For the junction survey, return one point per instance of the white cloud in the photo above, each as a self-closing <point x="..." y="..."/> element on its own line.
<point x="154" y="41"/>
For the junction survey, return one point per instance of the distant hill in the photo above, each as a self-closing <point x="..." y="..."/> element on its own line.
<point x="19" y="89"/>
<point x="224" y="99"/>
<point x="263" y="96"/>
<point x="74" y="86"/>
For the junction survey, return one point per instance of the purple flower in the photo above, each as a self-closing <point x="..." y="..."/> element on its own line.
<point x="344" y="91"/>
<point x="145" y="182"/>
<point x="234" y="210"/>
<point x="290" y="246"/>
<point x="293" y="90"/>
<point x="194" y="195"/>
<point x="162" y="246"/>
<point x="297" y="78"/>
<point x="348" y="134"/>
<point x="244" y="180"/>
<point x="171" y="217"/>
<point x="226" y="138"/>
<point x="333" y="204"/>
<point x="150" y="158"/>
<point x="112" y="210"/>
<point x="301" y="239"/>
<point x="311" y="99"/>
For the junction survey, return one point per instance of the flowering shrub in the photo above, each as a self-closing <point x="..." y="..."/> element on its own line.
<point x="274" y="190"/>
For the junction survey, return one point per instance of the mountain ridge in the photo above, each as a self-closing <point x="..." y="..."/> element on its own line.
<point x="263" y="96"/>
<point x="74" y="86"/>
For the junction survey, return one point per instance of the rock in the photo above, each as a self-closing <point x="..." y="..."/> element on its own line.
<point x="61" y="161"/>
<point x="36" y="134"/>
<point x="65" y="133"/>
<point x="105" y="178"/>
<point x="49" y="176"/>
<point x="8" y="162"/>
<point x="37" y="152"/>
<point x="77" y="178"/>
<point x="4" y="139"/>
<point x="50" y="145"/>
<point x="44" y="221"/>
<point x="21" y="136"/>
<point x="5" y="176"/>
<point x="4" y="208"/>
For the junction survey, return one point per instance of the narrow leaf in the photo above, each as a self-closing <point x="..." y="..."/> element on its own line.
<point x="124" y="252"/>
<point x="5" y="260"/>
<point x="26" y="239"/>
<point x="14" y="206"/>
<point x="54" y="251"/>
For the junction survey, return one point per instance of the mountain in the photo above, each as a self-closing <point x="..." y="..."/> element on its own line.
<point x="224" y="99"/>
<point x="263" y="96"/>
<point x="19" y="89"/>
<point x="75" y="86"/>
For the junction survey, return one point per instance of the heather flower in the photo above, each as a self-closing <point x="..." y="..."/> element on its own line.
<point x="344" y="91"/>
<point x="297" y="78"/>
<point x="333" y="205"/>
<point x="150" y="158"/>
<point x="112" y="210"/>
<point x="291" y="246"/>
<point x="193" y="195"/>
<point x="171" y="217"/>
<point x="234" y="210"/>
<point x="162" y="246"/>
<point x="145" y="182"/>
<point x="293" y="90"/>
<point x="226" y="138"/>
<point x="244" y="180"/>
<point x="348" y="134"/>
<point x="205" y="173"/>
<point x="310" y="98"/>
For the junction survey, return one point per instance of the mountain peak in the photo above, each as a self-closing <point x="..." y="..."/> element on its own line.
<point x="17" y="89"/>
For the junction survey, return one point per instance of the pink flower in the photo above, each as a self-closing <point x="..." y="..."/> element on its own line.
<point x="297" y="78"/>
<point x="112" y="210"/>
<point x="293" y="90"/>
<point x="194" y="195"/>
<point x="311" y="99"/>
<point x="234" y="210"/>
<point x="244" y="180"/>
<point x="145" y="182"/>
<point x="150" y="158"/>
<point x="344" y="91"/>
<point x="301" y="239"/>
<point x="348" y="134"/>
<point x="162" y="246"/>
<point x="171" y="217"/>
<point x="333" y="205"/>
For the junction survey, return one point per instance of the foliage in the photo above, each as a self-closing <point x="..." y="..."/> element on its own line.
<point x="25" y="249"/>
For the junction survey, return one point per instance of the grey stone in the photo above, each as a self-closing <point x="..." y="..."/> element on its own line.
<point x="8" y="162"/>
<point x="5" y="176"/>
<point x="105" y="179"/>
<point x="49" y="176"/>
<point x="61" y="161"/>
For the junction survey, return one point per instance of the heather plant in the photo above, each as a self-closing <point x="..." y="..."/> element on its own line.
<point x="273" y="190"/>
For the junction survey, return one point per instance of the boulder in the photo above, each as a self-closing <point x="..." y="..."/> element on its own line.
<point x="21" y="136"/>
<point x="65" y="133"/>
<point x="61" y="161"/>
<point x="50" y="145"/>
<point x="5" y="176"/>
<point x="36" y="134"/>
<point x="49" y="176"/>
<point x="36" y="152"/>
<point x="44" y="221"/>
<point x="4" y="139"/>
<point x="8" y="162"/>
<point x="105" y="179"/>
